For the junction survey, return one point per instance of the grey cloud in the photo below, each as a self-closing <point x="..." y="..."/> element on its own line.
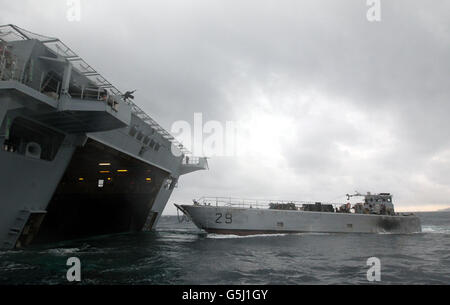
<point x="211" y="57"/>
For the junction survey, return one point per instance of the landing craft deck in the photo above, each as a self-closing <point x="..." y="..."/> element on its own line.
<point x="375" y="215"/>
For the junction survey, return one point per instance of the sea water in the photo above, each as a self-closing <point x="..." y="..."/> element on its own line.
<point x="179" y="253"/>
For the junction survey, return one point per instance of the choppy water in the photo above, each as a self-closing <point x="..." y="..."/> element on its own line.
<point x="178" y="253"/>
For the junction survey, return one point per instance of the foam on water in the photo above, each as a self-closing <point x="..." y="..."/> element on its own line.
<point x="62" y="251"/>
<point x="11" y="266"/>
<point x="83" y="249"/>
<point x="230" y="236"/>
<point x="436" y="229"/>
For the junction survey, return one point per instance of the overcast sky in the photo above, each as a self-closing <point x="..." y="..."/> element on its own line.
<point x="334" y="103"/>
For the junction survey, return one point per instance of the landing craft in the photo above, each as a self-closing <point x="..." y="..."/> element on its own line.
<point x="375" y="214"/>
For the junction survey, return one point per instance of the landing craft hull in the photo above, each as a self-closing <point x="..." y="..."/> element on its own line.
<point x="248" y="221"/>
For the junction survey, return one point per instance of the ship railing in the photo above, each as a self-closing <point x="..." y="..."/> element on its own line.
<point x="11" y="68"/>
<point x="97" y="94"/>
<point x="255" y="203"/>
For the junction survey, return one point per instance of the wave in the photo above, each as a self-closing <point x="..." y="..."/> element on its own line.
<point x="179" y="231"/>
<point x="228" y="236"/>
<point x="85" y="248"/>
<point x="62" y="251"/>
<point x="436" y="229"/>
<point x="12" y="266"/>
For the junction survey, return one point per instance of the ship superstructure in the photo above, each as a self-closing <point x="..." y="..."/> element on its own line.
<point x="77" y="156"/>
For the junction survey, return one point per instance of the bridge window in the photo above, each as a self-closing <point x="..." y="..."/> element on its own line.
<point x="51" y="83"/>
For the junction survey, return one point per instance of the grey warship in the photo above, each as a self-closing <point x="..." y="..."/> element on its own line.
<point x="375" y="214"/>
<point x="77" y="156"/>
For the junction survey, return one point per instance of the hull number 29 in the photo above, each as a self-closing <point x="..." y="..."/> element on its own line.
<point x="220" y="219"/>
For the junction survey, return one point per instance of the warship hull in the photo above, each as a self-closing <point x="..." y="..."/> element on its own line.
<point x="78" y="158"/>
<point x="249" y="221"/>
